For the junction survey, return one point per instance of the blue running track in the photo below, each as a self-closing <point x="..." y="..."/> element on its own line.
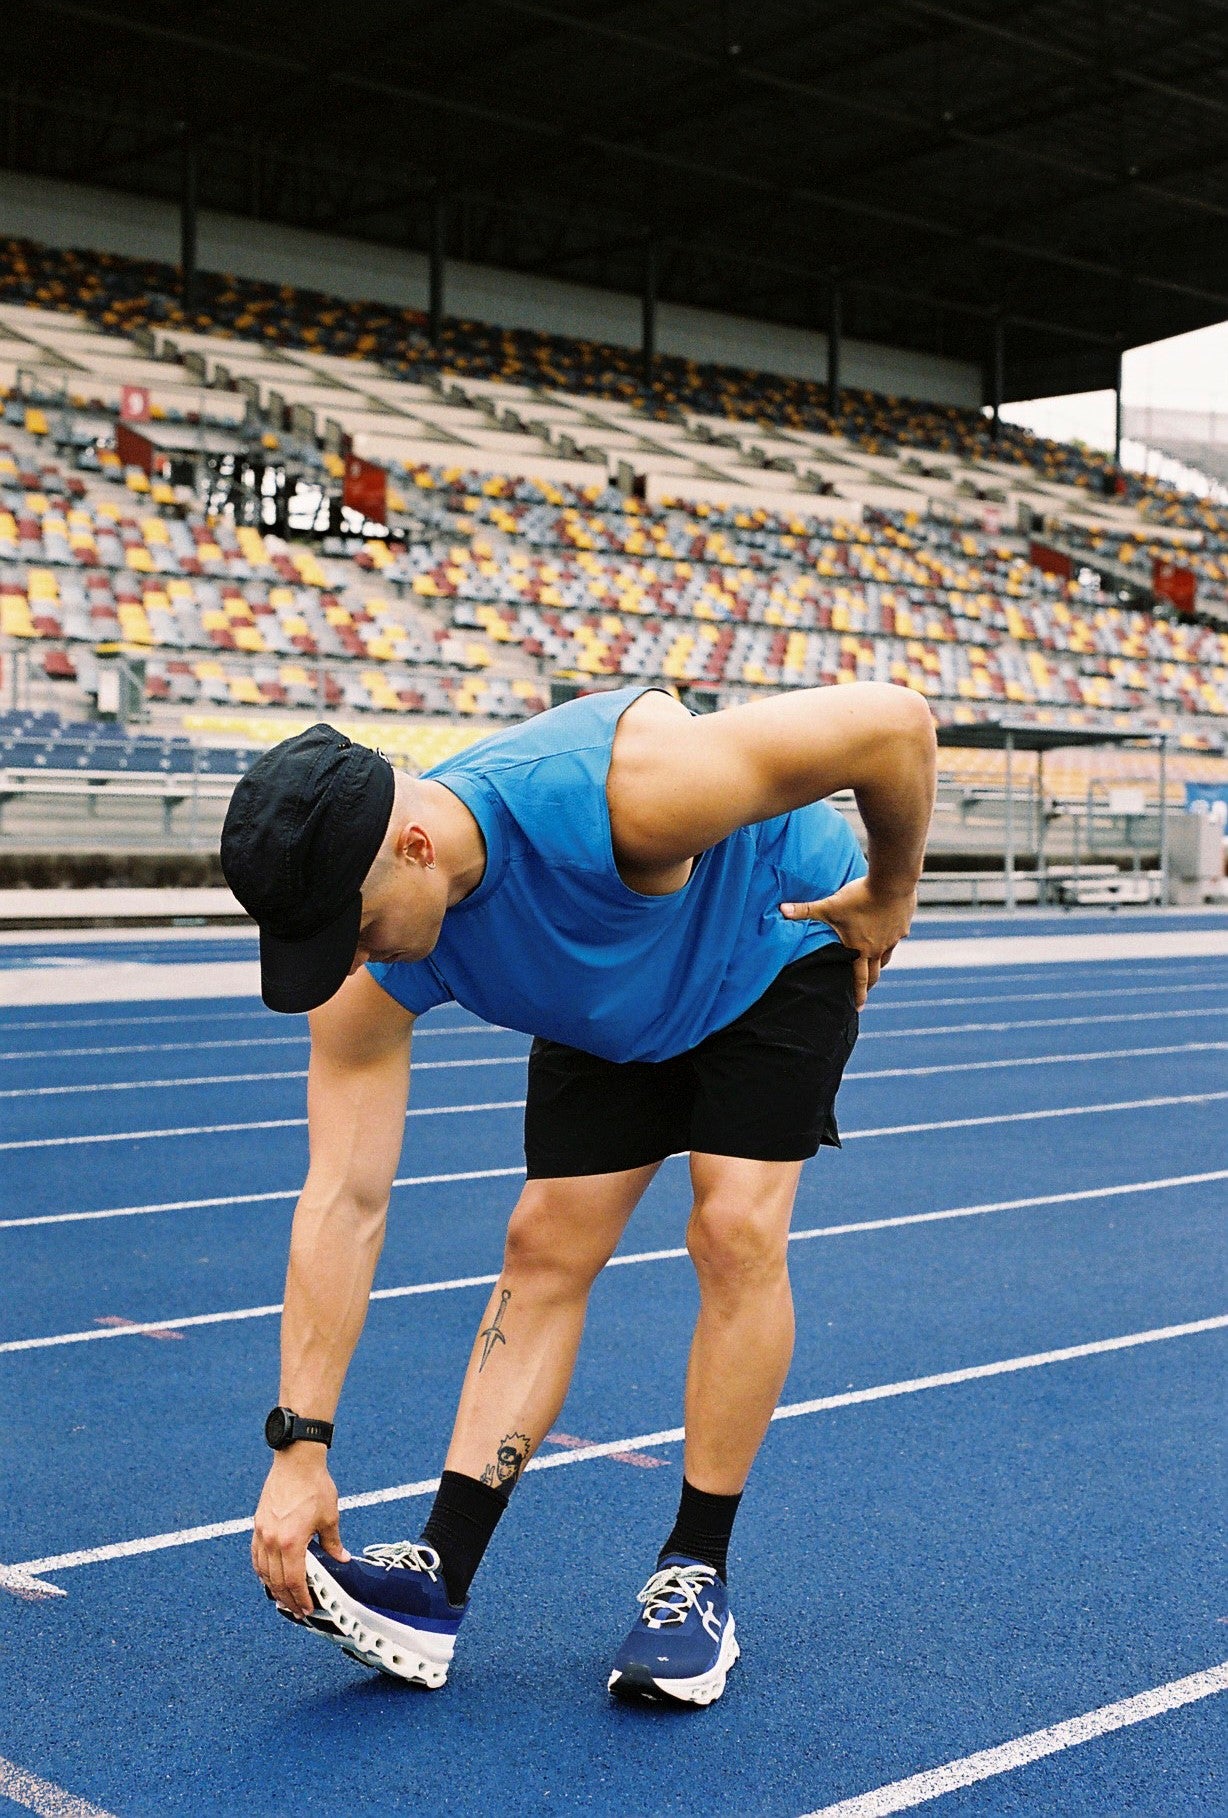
<point x="1035" y="1162"/>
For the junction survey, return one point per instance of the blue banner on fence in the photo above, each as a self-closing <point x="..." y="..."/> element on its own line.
<point x="1206" y="792"/>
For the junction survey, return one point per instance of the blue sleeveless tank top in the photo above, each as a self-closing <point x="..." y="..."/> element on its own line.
<point x="552" y="941"/>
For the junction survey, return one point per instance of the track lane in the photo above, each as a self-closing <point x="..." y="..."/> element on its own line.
<point x="873" y="1306"/>
<point x="952" y="1598"/>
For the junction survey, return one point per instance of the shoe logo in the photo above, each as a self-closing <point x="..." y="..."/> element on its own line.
<point x="711" y="1622"/>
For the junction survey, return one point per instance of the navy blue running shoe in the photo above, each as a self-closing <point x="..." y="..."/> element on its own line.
<point x="388" y="1609"/>
<point x="683" y="1645"/>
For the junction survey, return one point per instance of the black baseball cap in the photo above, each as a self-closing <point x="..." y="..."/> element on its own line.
<point x="301" y="833"/>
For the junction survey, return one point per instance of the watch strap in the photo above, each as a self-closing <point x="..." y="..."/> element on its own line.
<point x="283" y="1427"/>
<point x="302" y="1428"/>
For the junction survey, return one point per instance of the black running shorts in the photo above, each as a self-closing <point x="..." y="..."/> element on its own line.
<point x="764" y="1087"/>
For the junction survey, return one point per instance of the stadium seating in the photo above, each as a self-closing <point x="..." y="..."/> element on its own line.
<point x="1137" y="552"/>
<point x="587" y="581"/>
<point x="506" y="579"/>
<point x="598" y="584"/>
<point x="78" y="570"/>
<point x="126" y="296"/>
<point x="45" y="741"/>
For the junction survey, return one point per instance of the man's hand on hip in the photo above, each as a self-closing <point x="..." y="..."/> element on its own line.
<point x="870" y="922"/>
<point x="298" y="1502"/>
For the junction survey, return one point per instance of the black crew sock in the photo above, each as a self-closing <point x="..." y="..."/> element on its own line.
<point x="702" y="1528"/>
<point x="463" y="1517"/>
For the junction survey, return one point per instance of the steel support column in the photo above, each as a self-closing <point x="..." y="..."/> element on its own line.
<point x="648" y="310"/>
<point x="1164" y="890"/>
<point x="1008" y="831"/>
<point x="187" y="219"/>
<point x="835" y="337"/>
<point x="998" y="374"/>
<point x="436" y="260"/>
<point x="1041" y="886"/>
<point x="1117" y="410"/>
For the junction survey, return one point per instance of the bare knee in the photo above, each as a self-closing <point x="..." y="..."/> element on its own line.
<point x="736" y="1243"/>
<point x="543" y="1250"/>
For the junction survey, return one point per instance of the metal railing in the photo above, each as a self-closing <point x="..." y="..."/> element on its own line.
<point x="51" y="809"/>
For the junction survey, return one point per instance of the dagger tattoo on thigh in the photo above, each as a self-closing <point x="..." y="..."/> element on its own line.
<point x="492" y="1334"/>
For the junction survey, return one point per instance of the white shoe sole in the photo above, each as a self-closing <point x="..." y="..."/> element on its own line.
<point x="704" y="1688"/>
<point x="417" y="1656"/>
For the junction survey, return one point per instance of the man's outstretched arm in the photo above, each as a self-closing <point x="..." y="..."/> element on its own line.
<point x="357" y="1089"/>
<point x="683" y="784"/>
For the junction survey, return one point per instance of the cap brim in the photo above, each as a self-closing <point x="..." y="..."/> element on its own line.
<point x="301" y="975"/>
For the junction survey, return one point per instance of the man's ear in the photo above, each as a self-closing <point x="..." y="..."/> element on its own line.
<point x="414" y="845"/>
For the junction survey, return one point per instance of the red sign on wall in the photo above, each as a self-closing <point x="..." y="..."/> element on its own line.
<point x="1050" y="561"/>
<point x="134" y="449"/>
<point x="365" y="489"/>
<point x="1173" y="583"/>
<point x="134" y="403"/>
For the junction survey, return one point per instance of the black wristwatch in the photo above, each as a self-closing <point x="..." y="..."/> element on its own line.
<point x="284" y="1426"/>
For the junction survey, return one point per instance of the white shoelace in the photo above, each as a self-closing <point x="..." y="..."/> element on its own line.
<point x="405" y="1553"/>
<point x="670" y="1595"/>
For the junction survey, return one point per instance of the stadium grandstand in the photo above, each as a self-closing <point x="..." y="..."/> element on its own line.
<point x="419" y="371"/>
<point x="276" y="499"/>
<point x="347" y="520"/>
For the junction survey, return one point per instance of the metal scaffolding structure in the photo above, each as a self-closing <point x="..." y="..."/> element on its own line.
<point x="1014" y="736"/>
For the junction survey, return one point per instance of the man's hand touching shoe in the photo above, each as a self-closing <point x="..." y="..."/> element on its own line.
<point x="298" y="1503"/>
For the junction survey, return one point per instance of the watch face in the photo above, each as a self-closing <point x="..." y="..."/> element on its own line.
<point x="277" y="1428"/>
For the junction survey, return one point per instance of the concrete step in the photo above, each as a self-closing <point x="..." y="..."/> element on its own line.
<point x="114" y="908"/>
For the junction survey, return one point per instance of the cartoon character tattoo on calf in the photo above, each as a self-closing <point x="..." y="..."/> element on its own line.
<point x="510" y="1460"/>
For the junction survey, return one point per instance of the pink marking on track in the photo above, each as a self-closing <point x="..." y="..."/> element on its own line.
<point x="117" y="1319"/>
<point x="644" y="1460"/>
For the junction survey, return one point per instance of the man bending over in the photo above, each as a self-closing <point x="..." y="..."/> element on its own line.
<point x="670" y="908"/>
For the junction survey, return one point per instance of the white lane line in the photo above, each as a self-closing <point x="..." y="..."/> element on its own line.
<point x="1148" y="967"/>
<point x="154" y="1085"/>
<point x="30" y="1590"/>
<point x="300" y="1039"/>
<point x="1027" y="1117"/>
<point x="242" y="1079"/>
<point x="43" y="1796"/>
<point x="433" y="1180"/>
<point x="624" y="1260"/>
<point x="234" y="1199"/>
<point x="918" y="1789"/>
<point x="881" y="1000"/>
<point x="517" y="1104"/>
<point x="130" y="982"/>
<point x="1046" y="1022"/>
<point x="1034" y="1060"/>
<point x="133" y="981"/>
<point x="202" y="1019"/>
<point x="888" y="1001"/>
<point x="261" y="1123"/>
<point x="509" y="1060"/>
<point x="135" y="1136"/>
<point x="642" y="1442"/>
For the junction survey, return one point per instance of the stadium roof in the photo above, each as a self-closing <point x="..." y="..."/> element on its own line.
<point x="948" y="164"/>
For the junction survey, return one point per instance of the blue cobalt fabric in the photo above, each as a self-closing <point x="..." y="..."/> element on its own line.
<point x="552" y="942"/>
